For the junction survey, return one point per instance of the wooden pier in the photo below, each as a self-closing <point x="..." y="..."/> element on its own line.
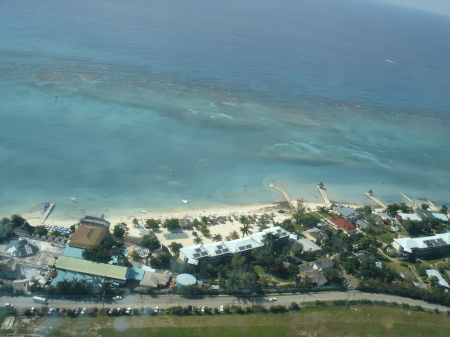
<point x="324" y="196"/>
<point x="370" y="195"/>
<point x="284" y="193"/>
<point x="432" y="205"/>
<point x="414" y="205"/>
<point x="47" y="213"/>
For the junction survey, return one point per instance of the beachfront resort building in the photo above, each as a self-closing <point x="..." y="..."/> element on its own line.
<point x="436" y="245"/>
<point x="225" y="250"/>
<point x="94" y="221"/>
<point x="87" y="236"/>
<point x="347" y="213"/>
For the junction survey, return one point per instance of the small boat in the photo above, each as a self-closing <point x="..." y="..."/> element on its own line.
<point x="142" y="211"/>
<point x="74" y="199"/>
<point x="184" y="201"/>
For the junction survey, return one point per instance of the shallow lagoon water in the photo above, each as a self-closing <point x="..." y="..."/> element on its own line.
<point x="186" y="104"/>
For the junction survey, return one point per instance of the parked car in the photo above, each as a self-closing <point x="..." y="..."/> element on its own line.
<point x="117" y="297"/>
<point x="51" y="311"/>
<point x="84" y="311"/>
<point x="273" y="299"/>
<point x="129" y="310"/>
<point x="281" y="211"/>
<point x="221" y="308"/>
<point x="62" y="310"/>
<point x="32" y="310"/>
<point x="8" y="305"/>
<point x="77" y="312"/>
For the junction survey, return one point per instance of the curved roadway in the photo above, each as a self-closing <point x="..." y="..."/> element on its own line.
<point x="166" y="301"/>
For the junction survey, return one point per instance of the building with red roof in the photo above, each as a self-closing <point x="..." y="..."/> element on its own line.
<point x="343" y="224"/>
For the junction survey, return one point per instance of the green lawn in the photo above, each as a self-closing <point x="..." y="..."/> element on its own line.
<point x="260" y="271"/>
<point x="336" y="321"/>
<point x="386" y="237"/>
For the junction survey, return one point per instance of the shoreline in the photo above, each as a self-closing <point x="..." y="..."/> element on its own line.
<point x="185" y="236"/>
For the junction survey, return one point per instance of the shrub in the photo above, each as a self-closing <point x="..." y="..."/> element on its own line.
<point x="136" y="311"/>
<point x="248" y="309"/>
<point x="294" y="306"/>
<point x="436" y="311"/>
<point x="216" y="310"/>
<point x="226" y="309"/>
<point x="149" y="310"/>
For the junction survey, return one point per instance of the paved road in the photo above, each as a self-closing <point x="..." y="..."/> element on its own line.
<point x="165" y="301"/>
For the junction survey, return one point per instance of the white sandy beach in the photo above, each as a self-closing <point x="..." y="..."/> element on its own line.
<point x="223" y="229"/>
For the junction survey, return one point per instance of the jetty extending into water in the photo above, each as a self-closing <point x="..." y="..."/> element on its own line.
<point x="371" y="196"/>
<point x="284" y="193"/>
<point x="432" y="205"/>
<point x="47" y="213"/>
<point x="413" y="204"/>
<point x="324" y="195"/>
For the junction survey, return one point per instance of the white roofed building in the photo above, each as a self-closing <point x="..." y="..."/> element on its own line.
<point x="406" y="216"/>
<point x="441" y="281"/>
<point x="436" y="245"/>
<point x="226" y="249"/>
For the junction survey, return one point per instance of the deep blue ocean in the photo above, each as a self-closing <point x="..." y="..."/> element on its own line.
<point x="209" y="101"/>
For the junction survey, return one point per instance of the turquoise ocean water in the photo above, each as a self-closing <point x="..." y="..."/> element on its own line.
<point x="229" y="95"/>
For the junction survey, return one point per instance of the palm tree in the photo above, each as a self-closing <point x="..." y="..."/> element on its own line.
<point x="245" y="230"/>
<point x="234" y="235"/>
<point x="198" y="240"/>
<point x="63" y="286"/>
<point x="270" y="239"/>
<point x="299" y="211"/>
<point x="217" y="238"/>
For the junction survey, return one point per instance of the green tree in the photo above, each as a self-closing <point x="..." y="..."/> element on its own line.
<point x="245" y="229"/>
<point x="198" y="240"/>
<point x="119" y="231"/>
<point x="171" y="224"/>
<point x="217" y="238"/>
<point x="204" y="230"/>
<point x="108" y="241"/>
<point x="150" y="242"/>
<point x="41" y="230"/>
<point x="298" y="211"/>
<point x="234" y="235"/>
<point x="196" y="223"/>
<point x="56" y="233"/>
<point x="293" y="270"/>
<point x="134" y="255"/>
<point x="308" y="221"/>
<point x="160" y="261"/>
<point x="175" y="247"/>
<point x="151" y="224"/>
<point x="332" y="276"/>
<point x="17" y="220"/>
<point x="135" y="221"/>
<point x="444" y="209"/>
<point x="434" y="281"/>
<point x="270" y="240"/>
<point x="425" y="206"/>
<point x="97" y="254"/>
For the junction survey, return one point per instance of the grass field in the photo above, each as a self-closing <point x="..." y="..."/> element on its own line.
<point x="335" y="321"/>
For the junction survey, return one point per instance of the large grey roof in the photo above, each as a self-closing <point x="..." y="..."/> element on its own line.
<point x="345" y="211"/>
<point x="324" y="263"/>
